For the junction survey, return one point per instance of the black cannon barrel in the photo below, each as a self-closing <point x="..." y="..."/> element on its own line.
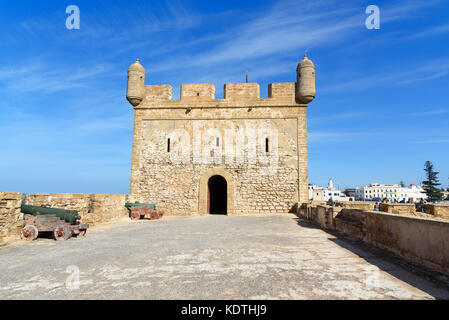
<point x="70" y="216"/>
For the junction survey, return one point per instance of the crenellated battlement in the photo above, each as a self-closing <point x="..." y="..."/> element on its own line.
<point x="233" y="92"/>
<point x="241" y="91"/>
<point x="298" y="93"/>
<point x="197" y="91"/>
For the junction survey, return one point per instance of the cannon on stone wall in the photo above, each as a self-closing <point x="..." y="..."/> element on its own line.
<point x="63" y="224"/>
<point x="138" y="211"/>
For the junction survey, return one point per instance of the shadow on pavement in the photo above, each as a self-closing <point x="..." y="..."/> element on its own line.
<point x="428" y="280"/>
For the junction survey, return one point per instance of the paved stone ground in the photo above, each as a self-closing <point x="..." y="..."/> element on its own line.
<point x="214" y="257"/>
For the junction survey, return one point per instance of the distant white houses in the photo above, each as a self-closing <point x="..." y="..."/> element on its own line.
<point x="371" y="192"/>
<point x="392" y="192"/>
<point x="317" y="193"/>
<point x="446" y="195"/>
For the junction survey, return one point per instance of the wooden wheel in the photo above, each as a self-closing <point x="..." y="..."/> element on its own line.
<point x="29" y="232"/>
<point x="62" y="233"/>
<point x="135" y="216"/>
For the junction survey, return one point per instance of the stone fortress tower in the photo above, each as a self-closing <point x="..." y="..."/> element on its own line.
<point x="203" y="155"/>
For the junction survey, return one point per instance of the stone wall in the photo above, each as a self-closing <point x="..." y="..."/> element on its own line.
<point x="309" y="209"/>
<point x="108" y="208"/>
<point x="398" y="208"/>
<point x="350" y="221"/>
<point x="276" y="90"/>
<point x="10" y="226"/>
<point x="422" y="240"/>
<point x="93" y="208"/>
<point x="316" y="203"/>
<point x="440" y="210"/>
<point x="177" y="143"/>
<point x="173" y="179"/>
<point x="321" y="215"/>
<point x="68" y="201"/>
<point x="362" y="205"/>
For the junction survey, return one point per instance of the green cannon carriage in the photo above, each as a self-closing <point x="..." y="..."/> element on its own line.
<point x="141" y="210"/>
<point x="138" y="204"/>
<point x="62" y="223"/>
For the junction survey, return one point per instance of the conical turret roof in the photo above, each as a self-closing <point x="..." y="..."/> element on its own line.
<point x="137" y="66"/>
<point x="306" y="62"/>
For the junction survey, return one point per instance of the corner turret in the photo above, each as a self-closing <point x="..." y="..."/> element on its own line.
<point x="305" y="85"/>
<point x="136" y="84"/>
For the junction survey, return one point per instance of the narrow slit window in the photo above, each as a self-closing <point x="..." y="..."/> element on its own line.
<point x="218" y="142"/>
<point x="168" y="145"/>
<point x="267" y="145"/>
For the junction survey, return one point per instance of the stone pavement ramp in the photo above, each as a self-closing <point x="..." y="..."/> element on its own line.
<point x="211" y="257"/>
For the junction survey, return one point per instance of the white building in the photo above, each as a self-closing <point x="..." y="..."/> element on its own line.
<point x="412" y="193"/>
<point x="392" y="192"/>
<point x="317" y="193"/>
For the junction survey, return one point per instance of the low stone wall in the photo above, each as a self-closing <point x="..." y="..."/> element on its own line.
<point x="93" y="208"/>
<point x="108" y="207"/>
<point x="440" y="210"/>
<point x="321" y="215"/>
<point x="324" y="217"/>
<point x="317" y="203"/>
<point x="68" y="201"/>
<point x="425" y="241"/>
<point x="398" y="208"/>
<point x="362" y="205"/>
<point x="422" y="240"/>
<point x="307" y="211"/>
<point x="350" y="221"/>
<point x="10" y="225"/>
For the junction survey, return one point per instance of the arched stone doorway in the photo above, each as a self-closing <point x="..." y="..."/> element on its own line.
<point x="217" y="195"/>
<point x="203" y="201"/>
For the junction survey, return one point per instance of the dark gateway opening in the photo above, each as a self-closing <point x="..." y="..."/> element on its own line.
<point x="217" y="195"/>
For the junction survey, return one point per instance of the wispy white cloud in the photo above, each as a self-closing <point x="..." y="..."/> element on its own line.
<point x="428" y="113"/>
<point x="432" y="31"/>
<point x="286" y="26"/>
<point x="48" y="78"/>
<point x="336" y="136"/>
<point x="431" y="70"/>
<point x="405" y="9"/>
<point x="430" y="141"/>
<point x="338" y="116"/>
<point x="15" y="71"/>
<point x="425" y="78"/>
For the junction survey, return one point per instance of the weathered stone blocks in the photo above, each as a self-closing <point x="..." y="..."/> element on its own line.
<point x="9" y="214"/>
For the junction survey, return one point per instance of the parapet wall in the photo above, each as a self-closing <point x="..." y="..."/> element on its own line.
<point x="362" y="205"/>
<point x="241" y="91"/>
<point x="421" y="240"/>
<point x="438" y="210"/>
<point x="94" y="209"/>
<point x="10" y="225"/>
<point x="194" y="91"/>
<point x="398" y="208"/>
<point x="232" y="91"/>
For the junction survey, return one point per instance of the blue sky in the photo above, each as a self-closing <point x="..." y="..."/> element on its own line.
<point x="382" y="106"/>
